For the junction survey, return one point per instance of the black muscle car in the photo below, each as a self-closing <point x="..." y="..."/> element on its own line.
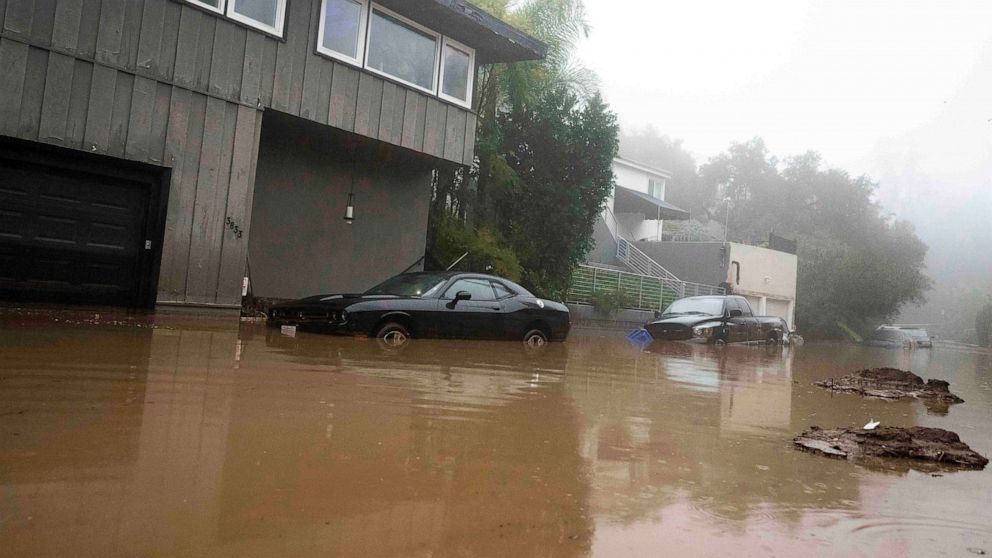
<point x="716" y="319"/>
<point x="431" y="304"/>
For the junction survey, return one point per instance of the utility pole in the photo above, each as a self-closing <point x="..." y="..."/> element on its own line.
<point x="726" y="221"/>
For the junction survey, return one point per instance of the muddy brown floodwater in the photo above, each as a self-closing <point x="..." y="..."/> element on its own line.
<point x="138" y="436"/>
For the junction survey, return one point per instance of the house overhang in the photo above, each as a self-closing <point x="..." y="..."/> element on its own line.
<point x="626" y="200"/>
<point x="493" y="39"/>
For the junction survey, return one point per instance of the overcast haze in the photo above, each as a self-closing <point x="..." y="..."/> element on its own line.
<point x="899" y="90"/>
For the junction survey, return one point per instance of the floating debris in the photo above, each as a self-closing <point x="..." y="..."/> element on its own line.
<point x="916" y="442"/>
<point x="892" y="383"/>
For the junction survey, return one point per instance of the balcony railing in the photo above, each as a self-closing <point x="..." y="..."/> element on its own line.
<point x="630" y="254"/>
<point x="642" y="292"/>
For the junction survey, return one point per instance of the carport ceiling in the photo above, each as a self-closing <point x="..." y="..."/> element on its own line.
<point x="632" y="201"/>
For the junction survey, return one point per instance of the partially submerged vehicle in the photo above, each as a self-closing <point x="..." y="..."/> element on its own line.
<point x="895" y="337"/>
<point x="717" y="320"/>
<point x="431" y="304"/>
<point x="919" y="336"/>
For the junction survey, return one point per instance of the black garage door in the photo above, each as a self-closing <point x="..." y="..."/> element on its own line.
<point x="77" y="228"/>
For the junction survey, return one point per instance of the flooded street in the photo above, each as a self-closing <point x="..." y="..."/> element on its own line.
<point x="193" y="438"/>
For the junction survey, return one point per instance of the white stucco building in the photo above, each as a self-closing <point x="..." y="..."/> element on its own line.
<point x="638" y="201"/>
<point x="767" y="278"/>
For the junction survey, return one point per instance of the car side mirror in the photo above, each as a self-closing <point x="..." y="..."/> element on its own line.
<point x="460" y="295"/>
<point x="736" y="313"/>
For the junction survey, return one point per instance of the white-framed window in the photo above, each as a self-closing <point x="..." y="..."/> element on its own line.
<point x="212" y="5"/>
<point x="402" y="50"/>
<point x="656" y="188"/>
<point x="342" y="29"/>
<point x="457" y="73"/>
<point x="266" y="15"/>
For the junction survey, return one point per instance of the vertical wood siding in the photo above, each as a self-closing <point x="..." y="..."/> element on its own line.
<point x="161" y="82"/>
<point x="209" y="144"/>
<point x="166" y="40"/>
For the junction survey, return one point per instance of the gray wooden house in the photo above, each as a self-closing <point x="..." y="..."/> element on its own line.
<point x="153" y="151"/>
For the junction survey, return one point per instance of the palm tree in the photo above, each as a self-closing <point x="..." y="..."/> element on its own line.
<point x="560" y="24"/>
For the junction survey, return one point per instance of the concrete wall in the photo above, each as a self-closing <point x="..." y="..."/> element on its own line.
<point x="697" y="262"/>
<point x="764" y="272"/>
<point x="300" y="244"/>
<point x="605" y="248"/>
<point x="767" y="279"/>
<point x="584" y="315"/>
<point x="635" y="226"/>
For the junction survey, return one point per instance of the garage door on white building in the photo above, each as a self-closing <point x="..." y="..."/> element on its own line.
<point x="778" y="308"/>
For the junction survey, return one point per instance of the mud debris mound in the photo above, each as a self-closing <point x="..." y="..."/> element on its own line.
<point x="916" y="442"/>
<point x="892" y="383"/>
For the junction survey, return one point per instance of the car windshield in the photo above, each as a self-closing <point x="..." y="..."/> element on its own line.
<point x="408" y="284"/>
<point x="917" y="334"/>
<point x="709" y="306"/>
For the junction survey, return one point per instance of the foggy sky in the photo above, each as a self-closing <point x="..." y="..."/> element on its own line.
<point x="900" y="90"/>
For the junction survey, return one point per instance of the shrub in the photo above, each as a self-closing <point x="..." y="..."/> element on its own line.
<point x="485" y="255"/>
<point x="608" y="302"/>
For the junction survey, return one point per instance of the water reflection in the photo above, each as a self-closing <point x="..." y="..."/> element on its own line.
<point x="718" y="438"/>
<point x="196" y="441"/>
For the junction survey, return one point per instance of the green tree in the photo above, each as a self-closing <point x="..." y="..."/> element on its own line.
<point x="856" y="265"/>
<point x="485" y="252"/>
<point x="544" y="144"/>
<point x="560" y="154"/>
<point x="560" y="24"/>
<point x="746" y="181"/>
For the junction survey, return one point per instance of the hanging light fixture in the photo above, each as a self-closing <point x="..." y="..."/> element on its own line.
<point x="349" y="210"/>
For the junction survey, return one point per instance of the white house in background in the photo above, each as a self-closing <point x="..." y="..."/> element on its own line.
<point x="628" y="235"/>
<point x="638" y="202"/>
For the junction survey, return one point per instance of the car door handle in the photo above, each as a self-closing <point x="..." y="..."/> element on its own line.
<point x="494" y="307"/>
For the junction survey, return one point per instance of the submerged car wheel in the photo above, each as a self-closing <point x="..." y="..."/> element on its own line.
<point x="535" y="338"/>
<point x="393" y="334"/>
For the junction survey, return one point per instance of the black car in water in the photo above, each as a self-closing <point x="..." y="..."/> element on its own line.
<point x="431" y="304"/>
<point x="716" y="319"/>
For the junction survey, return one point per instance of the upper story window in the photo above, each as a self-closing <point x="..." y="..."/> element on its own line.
<point x="457" y="62"/>
<point x="212" y="5"/>
<point x="402" y="49"/>
<point x="342" y="29"/>
<point x="656" y="188"/>
<point x="366" y="34"/>
<point x="266" y="15"/>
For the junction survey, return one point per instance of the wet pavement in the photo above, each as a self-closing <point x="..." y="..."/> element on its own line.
<point x="138" y="436"/>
